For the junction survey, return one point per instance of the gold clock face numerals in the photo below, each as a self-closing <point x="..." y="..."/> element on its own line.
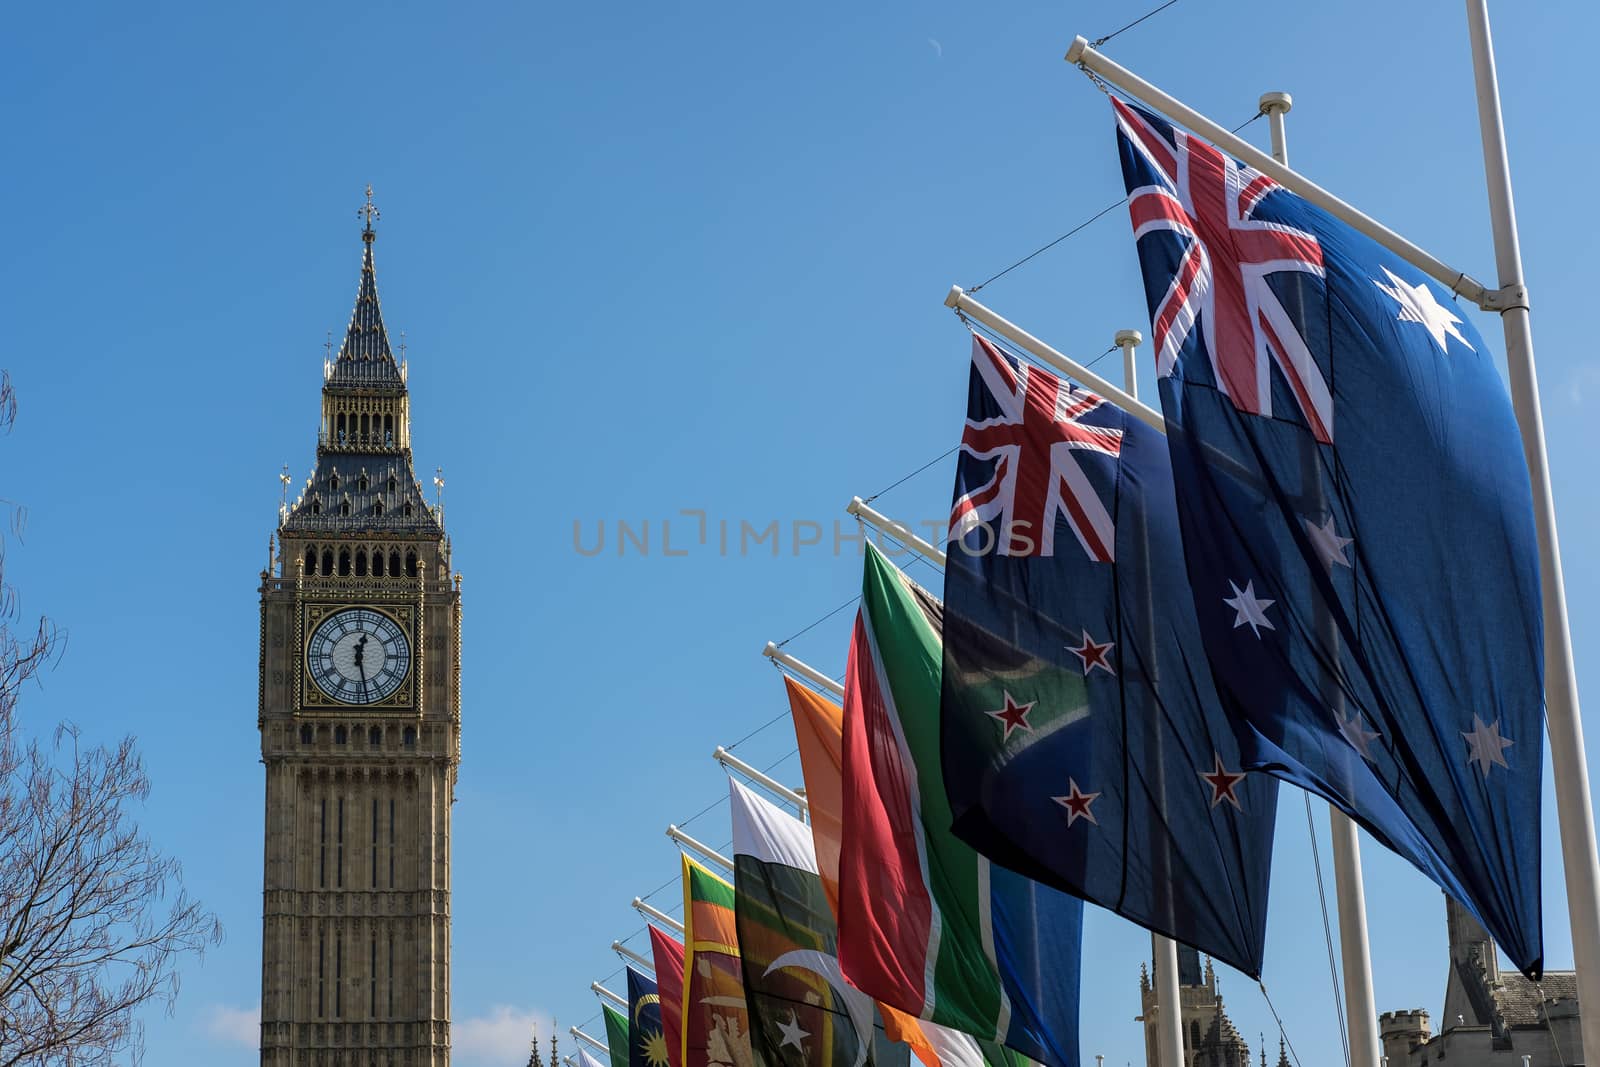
<point x="358" y="656"/>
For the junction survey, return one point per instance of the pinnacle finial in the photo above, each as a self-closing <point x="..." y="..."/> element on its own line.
<point x="369" y="212"/>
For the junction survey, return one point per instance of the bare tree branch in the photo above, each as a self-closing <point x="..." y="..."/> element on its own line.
<point x="93" y="920"/>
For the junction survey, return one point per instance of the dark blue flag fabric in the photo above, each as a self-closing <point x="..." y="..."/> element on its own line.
<point x="646" y="1046"/>
<point x="1083" y="742"/>
<point x="1356" y="520"/>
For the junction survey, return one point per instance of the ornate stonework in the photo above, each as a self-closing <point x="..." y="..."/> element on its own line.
<point x="355" y="961"/>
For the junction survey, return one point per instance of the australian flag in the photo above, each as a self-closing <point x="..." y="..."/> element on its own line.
<point x="1356" y="519"/>
<point x="1083" y="742"/>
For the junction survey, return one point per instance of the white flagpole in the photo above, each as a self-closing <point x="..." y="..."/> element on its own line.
<point x="900" y="532"/>
<point x="658" y="915"/>
<point x="962" y="302"/>
<point x="804" y="670"/>
<point x="1083" y="55"/>
<point x="1163" y="950"/>
<point x="605" y="994"/>
<point x="704" y="850"/>
<point x="581" y="1036"/>
<point x="1568" y="764"/>
<point x="740" y="767"/>
<point x="1350" y="894"/>
<point x="633" y="957"/>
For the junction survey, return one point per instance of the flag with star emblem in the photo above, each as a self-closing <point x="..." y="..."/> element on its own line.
<point x="1356" y="517"/>
<point x="1084" y="744"/>
<point x="819" y="729"/>
<point x="617" y="1043"/>
<point x="666" y="952"/>
<point x="802" y="1011"/>
<point x="716" y="1022"/>
<point x="926" y="924"/>
<point x="642" y="1037"/>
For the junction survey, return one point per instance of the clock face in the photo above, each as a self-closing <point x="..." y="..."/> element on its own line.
<point x="358" y="656"/>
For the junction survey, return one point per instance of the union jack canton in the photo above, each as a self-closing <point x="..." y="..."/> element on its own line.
<point x="1223" y="276"/>
<point x="1030" y="429"/>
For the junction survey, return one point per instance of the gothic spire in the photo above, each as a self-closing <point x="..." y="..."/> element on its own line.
<point x="365" y="358"/>
<point x="533" y="1054"/>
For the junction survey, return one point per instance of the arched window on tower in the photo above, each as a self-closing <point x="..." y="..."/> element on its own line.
<point x="375" y="736"/>
<point x="361" y="563"/>
<point x="410" y="737"/>
<point x="344" y="508"/>
<point x="366" y="426"/>
<point x="305" y="735"/>
<point x="316" y="505"/>
<point x="333" y="481"/>
<point x="361" y="483"/>
<point x="411" y="564"/>
<point x="327" y="562"/>
<point x="339" y="735"/>
<point x="392" y="483"/>
<point x="339" y="423"/>
<point x="377" y="564"/>
<point x="344" y="563"/>
<point x="394" y="564"/>
<point x="406" y="510"/>
<point x="311" y="560"/>
<point x="377" y="507"/>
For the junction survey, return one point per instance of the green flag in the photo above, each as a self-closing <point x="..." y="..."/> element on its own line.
<point x="616" y="1035"/>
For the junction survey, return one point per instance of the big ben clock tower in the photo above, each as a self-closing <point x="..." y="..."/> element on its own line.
<point x="360" y="733"/>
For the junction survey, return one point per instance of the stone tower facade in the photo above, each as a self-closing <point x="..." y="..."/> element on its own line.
<point x="360" y="714"/>
<point x="1209" y="1036"/>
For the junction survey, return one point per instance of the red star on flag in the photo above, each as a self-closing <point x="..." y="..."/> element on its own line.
<point x="1223" y="782"/>
<point x="1093" y="655"/>
<point x="1077" y="803"/>
<point x="1013" y="716"/>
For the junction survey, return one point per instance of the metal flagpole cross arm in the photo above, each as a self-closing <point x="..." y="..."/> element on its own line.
<point x="605" y="994"/>
<point x="902" y="533"/>
<point x="809" y="673"/>
<point x="699" y="848"/>
<point x="658" y="915"/>
<point x="960" y="301"/>
<point x="740" y="767"/>
<point x="1082" y="54"/>
<point x="585" y="1038"/>
<point x="632" y="957"/>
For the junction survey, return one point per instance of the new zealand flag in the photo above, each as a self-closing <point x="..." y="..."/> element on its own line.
<point x="1356" y="519"/>
<point x="1083" y="742"/>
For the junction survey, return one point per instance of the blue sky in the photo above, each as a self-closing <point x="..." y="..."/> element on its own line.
<point x="648" y="258"/>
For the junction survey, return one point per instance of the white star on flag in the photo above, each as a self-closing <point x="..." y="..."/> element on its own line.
<point x="1417" y="304"/>
<point x="792" y="1034"/>
<point x="1326" y="540"/>
<point x="1485" y="745"/>
<point x="1250" y="609"/>
<point x="1077" y="803"/>
<point x="1354" y="731"/>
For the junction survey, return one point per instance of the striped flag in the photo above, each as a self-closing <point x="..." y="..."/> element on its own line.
<point x="925" y="923"/>
<point x="819" y="729"/>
